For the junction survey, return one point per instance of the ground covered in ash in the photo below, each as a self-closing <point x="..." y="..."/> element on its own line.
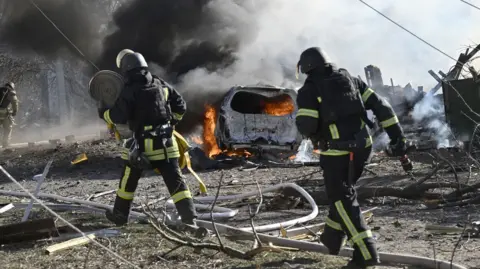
<point x="399" y="224"/>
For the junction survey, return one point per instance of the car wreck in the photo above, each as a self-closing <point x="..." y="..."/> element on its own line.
<point x="252" y="119"/>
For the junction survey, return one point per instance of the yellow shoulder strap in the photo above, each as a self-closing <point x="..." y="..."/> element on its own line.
<point x="184" y="159"/>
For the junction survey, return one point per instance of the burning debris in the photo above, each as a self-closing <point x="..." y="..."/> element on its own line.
<point x="251" y="121"/>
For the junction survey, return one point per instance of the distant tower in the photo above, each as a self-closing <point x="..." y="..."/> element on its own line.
<point x="374" y="77"/>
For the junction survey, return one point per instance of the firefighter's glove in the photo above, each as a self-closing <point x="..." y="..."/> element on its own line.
<point x="14" y="114"/>
<point x="397" y="148"/>
<point x="315" y="143"/>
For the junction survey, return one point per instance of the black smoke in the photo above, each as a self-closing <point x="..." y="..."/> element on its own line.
<point x="26" y="29"/>
<point x="179" y="36"/>
<point x="176" y="35"/>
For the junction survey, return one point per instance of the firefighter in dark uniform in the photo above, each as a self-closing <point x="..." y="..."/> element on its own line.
<point x="332" y="113"/>
<point x="151" y="108"/>
<point x="8" y="110"/>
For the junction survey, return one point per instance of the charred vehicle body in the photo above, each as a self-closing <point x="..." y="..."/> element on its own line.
<point x="257" y="118"/>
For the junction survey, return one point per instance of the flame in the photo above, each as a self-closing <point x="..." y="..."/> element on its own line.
<point x="209" y="142"/>
<point x="279" y="106"/>
<point x="209" y="123"/>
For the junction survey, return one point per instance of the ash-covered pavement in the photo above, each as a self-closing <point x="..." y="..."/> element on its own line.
<point x="398" y="224"/>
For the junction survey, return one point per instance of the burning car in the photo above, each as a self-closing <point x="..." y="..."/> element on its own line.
<point x="252" y="118"/>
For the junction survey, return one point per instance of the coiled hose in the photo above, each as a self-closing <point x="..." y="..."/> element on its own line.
<point x="386" y="257"/>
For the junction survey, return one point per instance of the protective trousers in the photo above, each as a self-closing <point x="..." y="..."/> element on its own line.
<point x="7" y="125"/>
<point x="172" y="176"/>
<point x="345" y="218"/>
<point x="174" y="181"/>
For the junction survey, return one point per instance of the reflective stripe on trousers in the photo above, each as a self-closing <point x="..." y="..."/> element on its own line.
<point x="356" y="237"/>
<point x="121" y="192"/>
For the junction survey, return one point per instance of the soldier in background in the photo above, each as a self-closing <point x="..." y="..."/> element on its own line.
<point x="8" y="110"/>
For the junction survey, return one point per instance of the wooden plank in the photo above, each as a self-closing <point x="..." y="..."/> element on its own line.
<point x="70" y="244"/>
<point x="27" y="231"/>
<point x="6" y="208"/>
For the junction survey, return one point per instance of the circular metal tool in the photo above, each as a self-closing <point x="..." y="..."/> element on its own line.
<point x="105" y="87"/>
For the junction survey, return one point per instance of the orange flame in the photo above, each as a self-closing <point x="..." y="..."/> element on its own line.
<point x="209" y="123"/>
<point x="209" y="142"/>
<point x="279" y="106"/>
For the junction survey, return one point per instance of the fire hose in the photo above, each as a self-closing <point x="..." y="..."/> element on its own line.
<point x="386" y="257"/>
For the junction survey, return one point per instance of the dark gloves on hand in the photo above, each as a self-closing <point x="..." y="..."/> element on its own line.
<point x="14" y="114"/>
<point x="315" y="143"/>
<point x="397" y="148"/>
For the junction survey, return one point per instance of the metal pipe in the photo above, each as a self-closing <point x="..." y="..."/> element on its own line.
<point x="37" y="190"/>
<point x="224" y="212"/>
<point x="386" y="257"/>
<point x="268" y="227"/>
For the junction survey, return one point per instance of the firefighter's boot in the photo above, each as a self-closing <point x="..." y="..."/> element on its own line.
<point x="334" y="240"/>
<point x="186" y="210"/>
<point x="121" y="210"/>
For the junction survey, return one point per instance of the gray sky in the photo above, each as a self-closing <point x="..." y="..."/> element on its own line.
<point x="356" y="36"/>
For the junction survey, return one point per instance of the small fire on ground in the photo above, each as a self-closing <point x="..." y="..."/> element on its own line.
<point x="277" y="107"/>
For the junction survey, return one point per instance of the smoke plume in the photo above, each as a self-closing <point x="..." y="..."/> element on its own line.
<point x="181" y="36"/>
<point x="204" y="47"/>
<point x="26" y="29"/>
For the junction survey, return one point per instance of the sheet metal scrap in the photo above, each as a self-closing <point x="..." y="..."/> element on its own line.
<point x="472" y="230"/>
<point x="28" y="231"/>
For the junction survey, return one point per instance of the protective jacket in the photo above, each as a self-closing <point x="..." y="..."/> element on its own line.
<point x="145" y="103"/>
<point x="315" y="103"/>
<point x="8" y="97"/>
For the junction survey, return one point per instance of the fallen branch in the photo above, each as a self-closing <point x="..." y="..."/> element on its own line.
<point x="159" y="227"/>
<point x="96" y="195"/>
<point x="425" y="178"/>
<point x="458" y="242"/>
<point x="190" y="242"/>
<point x="252" y="215"/>
<point x="211" y="212"/>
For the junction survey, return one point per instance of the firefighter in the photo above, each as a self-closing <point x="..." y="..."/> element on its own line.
<point x="8" y="110"/>
<point x="151" y="108"/>
<point x="332" y="113"/>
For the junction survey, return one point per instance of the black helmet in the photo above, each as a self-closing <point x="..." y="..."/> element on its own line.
<point x="128" y="60"/>
<point x="312" y="58"/>
<point x="10" y="84"/>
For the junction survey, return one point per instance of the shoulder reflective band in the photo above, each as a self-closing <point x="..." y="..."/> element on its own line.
<point x="366" y="94"/>
<point x="319" y="99"/>
<point x="165" y="92"/>
<point x="307" y="113"/>
<point x="387" y="123"/>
